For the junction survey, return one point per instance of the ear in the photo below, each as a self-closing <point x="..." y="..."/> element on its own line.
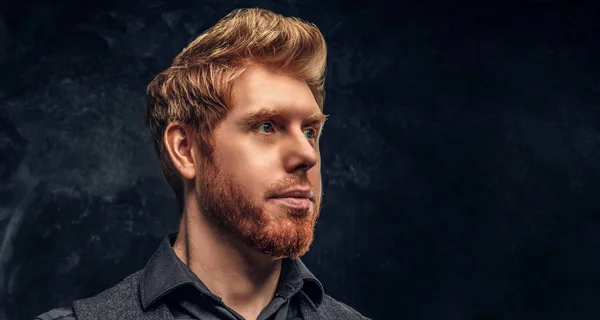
<point x="179" y="144"/>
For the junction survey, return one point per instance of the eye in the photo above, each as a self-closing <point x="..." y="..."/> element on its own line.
<point x="266" y="126"/>
<point x="311" y="133"/>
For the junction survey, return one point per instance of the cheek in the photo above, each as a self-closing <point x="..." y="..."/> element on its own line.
<point x="254" y="179"/>
<point x="252" y="170"/>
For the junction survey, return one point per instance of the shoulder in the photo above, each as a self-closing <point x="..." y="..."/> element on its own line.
<point x="341" y="310"/>
<point x="57" y="314"/>
<point x="123" y="295"/>
<point x="127" y="288"/>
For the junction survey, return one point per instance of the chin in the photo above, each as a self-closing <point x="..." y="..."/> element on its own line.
<point x="284" y="235"/>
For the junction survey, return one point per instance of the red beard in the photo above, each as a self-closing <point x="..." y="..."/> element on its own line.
<point x="234" y="214"/>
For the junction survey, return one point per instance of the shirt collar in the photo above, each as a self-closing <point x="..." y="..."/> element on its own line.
<point x="162" y="273"/>
<point x="165" y="272"/>
<point x="295" y="276"/>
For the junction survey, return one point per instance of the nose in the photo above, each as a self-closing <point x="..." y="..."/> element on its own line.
<point x="299" y="152"/>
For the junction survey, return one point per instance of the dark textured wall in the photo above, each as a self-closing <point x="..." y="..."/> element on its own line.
<point x="461" y="161"/>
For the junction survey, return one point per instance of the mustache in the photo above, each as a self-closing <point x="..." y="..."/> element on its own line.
<point x="287" y="183"/>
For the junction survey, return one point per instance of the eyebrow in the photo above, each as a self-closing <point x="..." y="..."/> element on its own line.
<point x="264" y="113"/>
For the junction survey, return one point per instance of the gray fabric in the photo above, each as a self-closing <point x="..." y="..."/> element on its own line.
<point x="123" y="302"/>
<point x="120" y="302"/>
<point x="152" y="293"/>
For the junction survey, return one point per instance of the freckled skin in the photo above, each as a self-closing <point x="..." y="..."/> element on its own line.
<point x="253" y="162"/>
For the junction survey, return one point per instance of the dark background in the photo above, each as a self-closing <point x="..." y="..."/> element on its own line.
<point x="461" y="161"/>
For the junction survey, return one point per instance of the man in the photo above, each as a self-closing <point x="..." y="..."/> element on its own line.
<point x="236" y="122"/>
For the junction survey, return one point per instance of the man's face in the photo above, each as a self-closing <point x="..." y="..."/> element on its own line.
<point x="263" y="186"/>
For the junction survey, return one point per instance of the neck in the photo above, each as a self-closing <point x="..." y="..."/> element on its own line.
<point x="244" y="278"/>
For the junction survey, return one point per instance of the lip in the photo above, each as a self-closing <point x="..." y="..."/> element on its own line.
<point x="294" y="203"/>
<point x="295" y="193"/>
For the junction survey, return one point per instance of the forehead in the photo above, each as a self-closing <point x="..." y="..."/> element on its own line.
<point x="258" y="88"/>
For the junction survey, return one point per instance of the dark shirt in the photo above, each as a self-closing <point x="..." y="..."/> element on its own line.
<point x="167" y="278"/>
